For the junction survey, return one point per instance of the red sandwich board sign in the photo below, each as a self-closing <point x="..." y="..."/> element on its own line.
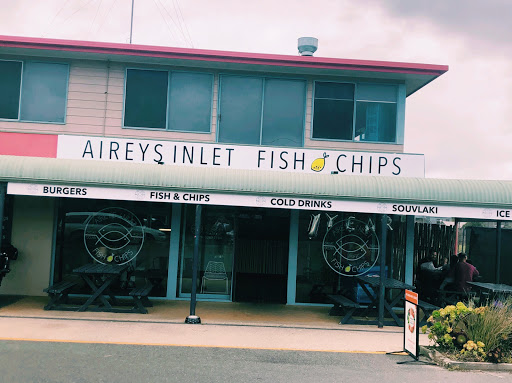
<point x="411" y="333"/>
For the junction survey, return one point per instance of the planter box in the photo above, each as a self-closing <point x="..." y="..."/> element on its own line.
<point x="440" y="359"/>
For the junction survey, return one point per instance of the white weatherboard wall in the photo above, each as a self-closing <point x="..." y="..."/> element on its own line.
<point x="32" y="234"/>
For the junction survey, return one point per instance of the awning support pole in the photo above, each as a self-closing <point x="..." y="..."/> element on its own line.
<point x="383" y="246"/>
<point x="3" y="192"/>
<point x="456" y="244"/>
<point x="409" y="249"/>
<point x="193" y="318"/>
<point x="498" y="250"/>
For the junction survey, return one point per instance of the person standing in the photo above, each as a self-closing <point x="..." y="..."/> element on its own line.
<point x="464" y="272"/>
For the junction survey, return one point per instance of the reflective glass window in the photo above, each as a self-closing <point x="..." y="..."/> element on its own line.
<point x="10" y="82"/>
<point x="100" y="231"/>
<point x="216" y="251"/>
<point x="190" y="102"/>
<point x="333" y="111"/>
<point x="376" y="113"/>
<point x="44" y="90"/>
<point x="375" y="122"/>
<point x="283" y="113"/>
<point x="240" y="110"/>
<point x="262" y="111"/>
<point x="333" y="248"/>
<point x="146" y="98"/>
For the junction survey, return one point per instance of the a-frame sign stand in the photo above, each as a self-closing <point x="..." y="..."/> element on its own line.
<point x="411" y="330"/>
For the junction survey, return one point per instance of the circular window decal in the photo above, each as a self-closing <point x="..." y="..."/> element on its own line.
<point x="113" y="235"/>
<point x="351" y="247"/>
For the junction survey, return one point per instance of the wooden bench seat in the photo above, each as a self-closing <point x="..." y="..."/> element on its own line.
<point x="345" y="305"/>
<point x="58" y="294"/>
<point x="140" y="298"/>
<point x="427" y="309"/>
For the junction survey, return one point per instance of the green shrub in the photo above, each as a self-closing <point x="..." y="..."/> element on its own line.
<point x="483" y="333"/>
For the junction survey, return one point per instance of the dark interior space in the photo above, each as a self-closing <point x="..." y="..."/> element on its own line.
<point x="261" y="255"/>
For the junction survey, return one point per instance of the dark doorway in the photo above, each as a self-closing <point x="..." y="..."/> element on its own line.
<point x="261" y="255"/>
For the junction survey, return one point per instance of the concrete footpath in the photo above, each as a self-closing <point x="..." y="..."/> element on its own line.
<point x="26" y="320"/>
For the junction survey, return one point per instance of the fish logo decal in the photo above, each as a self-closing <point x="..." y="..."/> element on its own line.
<point x="319" y="164"/>
<point x="113" y="235"/>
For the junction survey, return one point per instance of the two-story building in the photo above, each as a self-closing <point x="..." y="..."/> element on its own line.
<point x="106" y="149"/>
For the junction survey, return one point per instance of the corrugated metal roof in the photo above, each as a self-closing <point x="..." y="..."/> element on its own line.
<point x="186" y="178"/>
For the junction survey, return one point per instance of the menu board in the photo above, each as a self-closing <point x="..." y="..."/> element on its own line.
<point x="411" y="334"/>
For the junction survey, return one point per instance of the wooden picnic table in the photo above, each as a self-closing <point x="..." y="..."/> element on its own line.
<point x="106" y="274"/>
<point x="388" y="284"/>
<point x="498" y="290"/>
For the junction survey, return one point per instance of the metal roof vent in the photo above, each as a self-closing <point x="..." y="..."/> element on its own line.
<point x="307" y="46"/>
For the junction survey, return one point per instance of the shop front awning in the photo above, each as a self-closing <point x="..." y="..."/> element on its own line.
<point x="167" y="183"/>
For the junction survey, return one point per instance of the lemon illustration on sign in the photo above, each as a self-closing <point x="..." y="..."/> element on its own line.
<point x="319" y="164"/>
<point x="110" y="258"/>
<point x="347" y="269"/>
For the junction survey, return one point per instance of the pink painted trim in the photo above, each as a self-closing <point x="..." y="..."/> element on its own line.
<point x="220" y="56"/>
<point x="28" y="144"/>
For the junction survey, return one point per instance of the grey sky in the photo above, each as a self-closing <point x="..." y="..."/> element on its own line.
<point x="483" y="22"/>
<point x="462" y="121"/>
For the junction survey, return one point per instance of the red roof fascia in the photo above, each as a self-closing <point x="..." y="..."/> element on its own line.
<point x="220" y="56"/>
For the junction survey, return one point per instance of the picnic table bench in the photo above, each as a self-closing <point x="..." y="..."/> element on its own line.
<point x="59" y="294"/>
<point x="427" y="309"/>
<point x="344" y="306"/>
<point x="140" y="298"/>
<point x="98" y="278"/>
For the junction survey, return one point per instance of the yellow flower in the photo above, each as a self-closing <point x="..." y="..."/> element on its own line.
<point x="479" y="310"/>
<point x="470" y="345"/>
<point x="480" y="344"/>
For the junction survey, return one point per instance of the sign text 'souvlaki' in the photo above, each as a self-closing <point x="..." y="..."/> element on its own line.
<point x="215" y="155"/>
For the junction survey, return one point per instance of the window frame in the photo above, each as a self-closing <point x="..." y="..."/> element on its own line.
<point x="354" y="112"/>
<point x="168" y="101"/>
<point x="19" y="119"/>
<point x="264" y="78"/>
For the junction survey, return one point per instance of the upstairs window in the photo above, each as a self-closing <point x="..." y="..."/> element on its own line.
<point x="376" y="113"/>
<point x="10" y="81"/>
<point x="350" y="112"/>
<point x="33" y="91"/>
<point x="177" y="101"/>
<point x="333" y="111"/>
<point x="262" y="111"/>
<point x="145" y="104"/>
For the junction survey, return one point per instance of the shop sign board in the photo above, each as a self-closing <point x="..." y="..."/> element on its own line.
<point x="411" y="334"/>
<point x="244" y="157"/>
<point x="255" y="200"/>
